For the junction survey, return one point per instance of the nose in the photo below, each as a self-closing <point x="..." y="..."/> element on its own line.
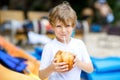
<point x="64" y="29"/>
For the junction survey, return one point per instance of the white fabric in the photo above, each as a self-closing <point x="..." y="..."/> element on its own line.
<point x="36" y="26"/>
<point x="35" y="38"/>
<point x="76" y="46"/>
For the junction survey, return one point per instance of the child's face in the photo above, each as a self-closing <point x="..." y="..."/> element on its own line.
<point x="62" y="31"/>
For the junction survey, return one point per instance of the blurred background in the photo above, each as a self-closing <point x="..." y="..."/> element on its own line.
<point x="19" y="17"/>
<point x="24" y="23"/>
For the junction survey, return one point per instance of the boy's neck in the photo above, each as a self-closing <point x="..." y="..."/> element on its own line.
<point x="62" y="41"/>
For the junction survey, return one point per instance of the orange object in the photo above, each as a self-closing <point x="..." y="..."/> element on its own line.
<point x="33" y="64"/>
<point x="64" y="56"/>
<point x="7" y="74"/>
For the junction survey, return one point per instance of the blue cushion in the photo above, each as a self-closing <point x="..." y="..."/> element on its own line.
<point x="84" y="75"/>
<point x="104" y="76"/>
<point x="13" y="63"/>
<point x="106" y="64"/>
<point x="34" y="54"/>
<point x="39" y="50"/>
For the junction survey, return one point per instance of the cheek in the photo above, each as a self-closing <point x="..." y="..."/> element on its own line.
<point x="57" y="32"/>
<point x="70" y="31"/>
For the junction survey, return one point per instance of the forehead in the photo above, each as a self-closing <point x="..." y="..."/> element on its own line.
<point x="58" y="22"/>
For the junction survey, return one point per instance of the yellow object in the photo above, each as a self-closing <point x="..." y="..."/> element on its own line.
<point x="7" y="74"/>
<point x="31" y="74"/>
<point x="34" y="76"/>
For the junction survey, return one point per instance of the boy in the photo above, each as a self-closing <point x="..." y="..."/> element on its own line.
<point x="63" y="20"/>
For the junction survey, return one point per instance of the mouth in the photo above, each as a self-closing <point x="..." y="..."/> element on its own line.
<point x="63" y="34"/>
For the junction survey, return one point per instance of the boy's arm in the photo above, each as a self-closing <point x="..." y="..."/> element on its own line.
<point x="87" y="67"/>
<point x="44" y="73"/>
<point x="53" y="67"/>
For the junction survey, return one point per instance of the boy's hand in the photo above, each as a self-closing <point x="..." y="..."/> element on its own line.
<point x="76" y="62"/>
<point x="60" y="67"/>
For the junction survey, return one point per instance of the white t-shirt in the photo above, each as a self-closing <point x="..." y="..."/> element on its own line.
<point x="75" y="46"/>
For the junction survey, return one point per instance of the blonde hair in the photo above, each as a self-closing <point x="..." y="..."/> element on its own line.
<point x="64" y="13"/>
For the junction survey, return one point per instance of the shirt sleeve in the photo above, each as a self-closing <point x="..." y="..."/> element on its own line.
<point x="46" y="57"/>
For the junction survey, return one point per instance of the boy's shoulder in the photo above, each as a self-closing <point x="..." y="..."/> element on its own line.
<point x="77" y="40"/>
<point x="50" y="43"/>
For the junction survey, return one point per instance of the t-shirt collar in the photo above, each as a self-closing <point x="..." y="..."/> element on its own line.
<point x="62" y="43"/>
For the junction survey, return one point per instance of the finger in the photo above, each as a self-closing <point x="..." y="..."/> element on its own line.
<point x="62" y="63"/>
<point x="64" y="66"/>
<point x="63" y="69"/>
<point x="74" y="64"/>
<point x="54" y="60"/>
